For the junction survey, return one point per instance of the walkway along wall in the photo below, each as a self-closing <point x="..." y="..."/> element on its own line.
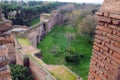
<point x="26" y="57"/>
<point x="105" y="62"/>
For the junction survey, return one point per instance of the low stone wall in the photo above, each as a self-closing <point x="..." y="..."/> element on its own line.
<point x="38" y="72"/>
<point x="32" y="62"/>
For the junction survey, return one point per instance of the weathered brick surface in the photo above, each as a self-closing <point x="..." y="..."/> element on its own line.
<point x="4" y="69"/>
<point x="105" y="62"/>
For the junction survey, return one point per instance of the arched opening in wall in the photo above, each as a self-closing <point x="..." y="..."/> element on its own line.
<point x="44" y="31"/>
<point x="44" y="27"/>
<point x="38" y="39"/>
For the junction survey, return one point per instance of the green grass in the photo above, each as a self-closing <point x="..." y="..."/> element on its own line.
<point x="62" y="74"/>
<point x="24" y="42"/>
<point x="33" y="22"/>
<point x="57" y="41"/>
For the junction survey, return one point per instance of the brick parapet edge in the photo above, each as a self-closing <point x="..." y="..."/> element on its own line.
<point x="105" y="61"/>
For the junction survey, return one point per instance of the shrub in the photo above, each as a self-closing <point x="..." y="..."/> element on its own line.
<point x="19" y="72"/>
<point x="55" y="50"/>
<point x="87" y="25"/>
<point x="72" y="59"/>
<point x="70" y="50"/>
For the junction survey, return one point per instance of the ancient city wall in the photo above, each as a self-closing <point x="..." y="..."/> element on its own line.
<point x="105" y="62"/>
<point x="4" y="60"/>
<point x="32" y="62"/>
<point x="5" y="25"/>
<point x="38" y="32"/>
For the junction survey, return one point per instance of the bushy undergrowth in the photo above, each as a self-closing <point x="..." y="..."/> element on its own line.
<point x="19" y="72"/>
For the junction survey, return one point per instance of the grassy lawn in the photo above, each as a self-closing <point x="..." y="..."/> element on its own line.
<point x="24" y="42"/>
<point x="61" y="73"/>
<point x="55" y="45"/>
<point x="34" y="21"/>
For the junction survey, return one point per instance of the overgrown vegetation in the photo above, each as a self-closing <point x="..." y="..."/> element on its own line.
<point x="21" y="12"/>
<point x="33" y="21"/>
<point x="82" y="19"/>
<point x="75" y="52"/>
<point x="19" y="72"/>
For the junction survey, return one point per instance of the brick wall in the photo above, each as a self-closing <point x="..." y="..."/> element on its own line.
<point x="39" y="31"/>
<point x="105" y="62"/>
<point x="38" y="72"/>
<point x="4" y="69"/>
<point x="0" y="13"/>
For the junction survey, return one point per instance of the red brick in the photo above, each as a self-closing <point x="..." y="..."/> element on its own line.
<point x="102" y="47"/>
<point x="96" y="52"/>
<point x="115" y="49"/>
<point x="101" y="50"/>
<point x="102" y="38"/>
<point x="117" y="55"/>
<point x="106" y="25"/>
<point x="95" y="75"/>
<point x="113" y="37"/>
<point x="115" y="64"/>
<point x="110" y="51"/>
<point x="104" y="33"/>
<point x="118" y="33"/>
<point x="117" y="44"/>
<point x="107" y="68"/>
<point x="93" y="62"/>
<point x="114" y="32"/>
<point x="113" y="27"/>
<point x="100" y="63"/>
<point x="116" y="22"/>
<point x="97" y="40"/>
<point x="113" y="59"/>
<point x="98" y="32"/>
<point x="115" y="16"/>
<point x="105" y="75"/>
<point x="108" y="60"/>
<point x="103" y="43"/>
<point x="101" y="23"/>
<point x="96" y="47"/>
<point x="112" y="42"/>
<point x="104" y="29"/>
<point x="106" y="14"/>
<point x="104" y="19"/>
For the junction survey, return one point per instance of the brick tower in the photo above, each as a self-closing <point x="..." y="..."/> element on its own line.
<point x="105" y="62"/>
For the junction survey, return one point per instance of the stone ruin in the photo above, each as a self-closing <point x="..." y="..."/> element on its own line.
<point x="4" y="69"/>
<point x="105" y="62"/>
<point x="4" y="59"/>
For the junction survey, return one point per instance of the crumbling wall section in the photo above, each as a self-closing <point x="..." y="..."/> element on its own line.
<point x="4" y="60"/>
<point x="105" y="62"/>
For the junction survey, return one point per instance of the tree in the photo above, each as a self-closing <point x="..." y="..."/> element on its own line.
<point x="19" y="72"/>
<point x="87" y="25"/>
